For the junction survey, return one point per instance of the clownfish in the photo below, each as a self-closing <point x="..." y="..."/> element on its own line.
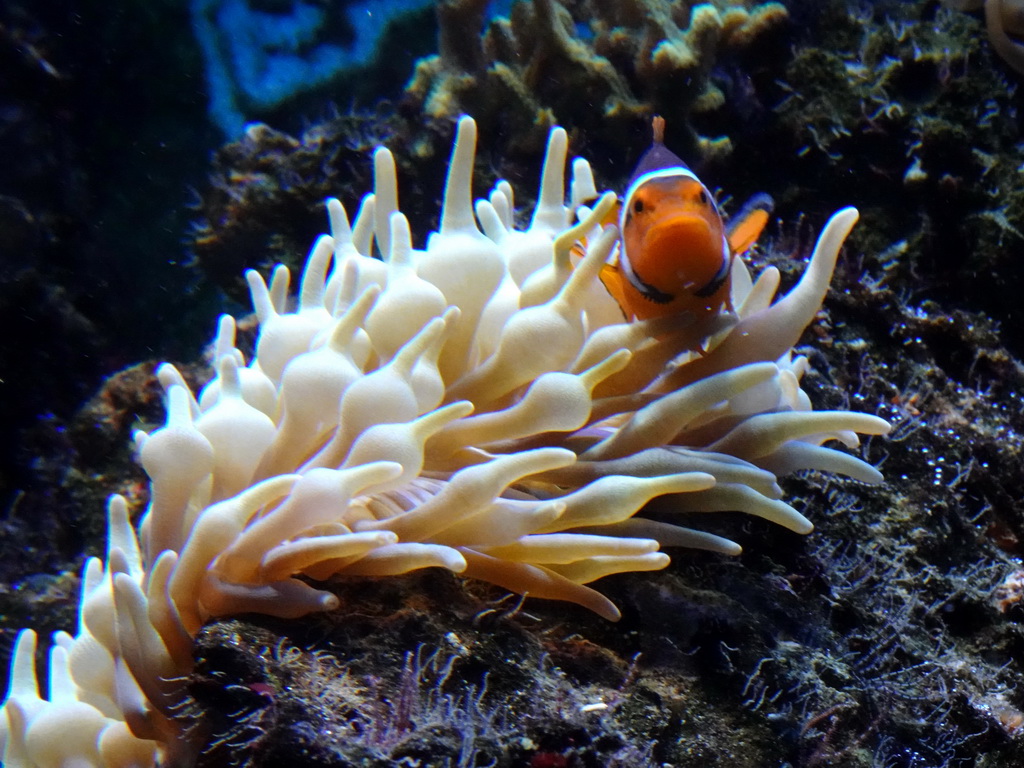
<point x="676" y="252"/>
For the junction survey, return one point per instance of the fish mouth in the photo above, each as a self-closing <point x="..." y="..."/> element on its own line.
<point x="687" y="251"/>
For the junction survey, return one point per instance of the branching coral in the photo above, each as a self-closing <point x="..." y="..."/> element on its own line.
<point x="552" y="61"/>
<point x="477" y="406"/>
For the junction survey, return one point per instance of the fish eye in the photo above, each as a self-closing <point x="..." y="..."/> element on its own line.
<point x="703" y="197"/>
<point x="638" y="206"/>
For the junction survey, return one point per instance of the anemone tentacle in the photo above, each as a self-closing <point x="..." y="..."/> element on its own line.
<point x="473" y="406"/>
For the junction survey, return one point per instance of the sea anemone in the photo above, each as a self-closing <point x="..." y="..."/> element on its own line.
<point x="478" y="405"/>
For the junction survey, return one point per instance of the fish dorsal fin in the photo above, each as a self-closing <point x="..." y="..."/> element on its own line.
<point x="658" y="156"/>
<point x="746" y="226"/>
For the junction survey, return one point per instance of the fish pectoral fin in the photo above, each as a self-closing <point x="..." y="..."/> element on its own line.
<point x="612" y="279"/>
<point x="615" y="281"/>
<point x="611" y="273"/>
<point x="746" y="226"/>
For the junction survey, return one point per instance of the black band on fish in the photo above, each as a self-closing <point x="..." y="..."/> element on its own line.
<point x="650" y="292"/>
<point x="716" y="282"/>
<point x="720" y="276"/>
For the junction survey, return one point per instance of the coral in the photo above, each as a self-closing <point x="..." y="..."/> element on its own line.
<point x="257" y="57"/>
<point x="603" y="67"/>
<point x="436" y="705"/>
<point x="1004" y="22"/>
<point x="876" y="641"/>
<point x="266" y="198"/>
<point x="882" y="642"/>
<point x="262" y="59"/>
<point x="908" y="103"/>
<point x="478" y="406"/>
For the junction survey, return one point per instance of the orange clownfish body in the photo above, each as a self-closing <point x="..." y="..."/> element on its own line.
<point x="676" y="254"/>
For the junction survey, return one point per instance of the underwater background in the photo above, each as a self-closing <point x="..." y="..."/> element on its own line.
<point x="154" y="151"/>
